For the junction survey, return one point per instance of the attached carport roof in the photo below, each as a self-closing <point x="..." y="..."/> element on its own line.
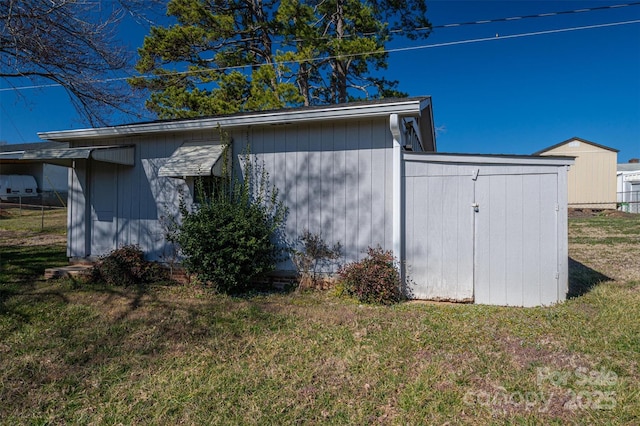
<point x="118" y="154"/>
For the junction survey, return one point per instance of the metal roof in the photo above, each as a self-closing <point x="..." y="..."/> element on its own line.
<point x="13" y="147"/>
<point x="628" y="167"/>
<point x="409" y="107"/>
<point x="571" y="140"/>
<point x="438" y="157"/>
<point x="193" y="159"/>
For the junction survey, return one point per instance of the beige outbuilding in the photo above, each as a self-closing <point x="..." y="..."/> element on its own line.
<point x="592" y="179"/>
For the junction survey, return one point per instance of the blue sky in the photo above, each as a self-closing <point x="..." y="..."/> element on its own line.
<point x="515" y="93"/>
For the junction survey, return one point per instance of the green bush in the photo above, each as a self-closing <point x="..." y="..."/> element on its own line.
<point x="374" y="279"/>
<point x="229" y="239"/>
<point x="127" y="266"/>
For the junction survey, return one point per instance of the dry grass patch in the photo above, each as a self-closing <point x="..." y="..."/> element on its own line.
<point x="91" y="354"/>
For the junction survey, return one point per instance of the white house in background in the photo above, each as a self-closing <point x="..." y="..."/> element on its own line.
<point x="490" y="229"/>
<point x="628" y="185"/>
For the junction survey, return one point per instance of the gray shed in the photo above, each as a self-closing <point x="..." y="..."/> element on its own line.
<point x="339" y="169"/>
<point x="488" y="229"/>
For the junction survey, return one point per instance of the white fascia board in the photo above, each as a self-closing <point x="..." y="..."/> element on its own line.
<point x="11" y="155"/>
<point x="410" y="107"/>
<point x="631" y="177"/>
<point x="425" y="102"/>
<point x="489" y="159"/>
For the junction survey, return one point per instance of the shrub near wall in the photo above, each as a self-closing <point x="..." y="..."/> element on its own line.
<point x="126" y="266"/>
<point x="228" y="244"/>
<point x="374" y="279"/>
<point x="230" y="238"/>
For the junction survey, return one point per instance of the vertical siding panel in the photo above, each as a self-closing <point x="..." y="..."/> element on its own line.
<point x="531" y="240"/>
<point x="137" y="176"/>
<point x="269" y="135"/>
<point x="364" y="186"/>
<point x="352" y="190"/>
<point x="144" y="176"/>
<point x="315" y="180"/>
<point x="327" y="175"/>
<point x="419" y="250"/>
<point x="124" y="202"/>
<point x="434" y="233"/>
<point x="514" y="242"/>
<point x="80" y="223"/>
<point x="498" y="239"/>
<point x="289" y="192"/>
<point x="562" y="235"/>
<point x="378" y="179"/>
<point x="338" y="182"/>
<point x="147" y="197"/>
<point x="482" y="246"/>
<point x="304" y="192"/>
<point x="277" y="172"/>
<point x="549" y="239"/>
<point x="413" y="282"/>
<point x="449" y="228"/>
<point x="464" y="236"/>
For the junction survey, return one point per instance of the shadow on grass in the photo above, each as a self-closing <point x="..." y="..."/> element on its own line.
<point x="27" y="263"/>
<point x="22" y="266"/>
<point x="582" y="278"/>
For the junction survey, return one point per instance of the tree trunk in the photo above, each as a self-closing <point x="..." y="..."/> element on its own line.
<point x="340" y="67"/>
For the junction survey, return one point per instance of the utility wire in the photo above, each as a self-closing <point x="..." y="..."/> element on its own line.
<point x="539" y="15"/>
<point x="399" y="49"/>
<point x="484" y="21"/>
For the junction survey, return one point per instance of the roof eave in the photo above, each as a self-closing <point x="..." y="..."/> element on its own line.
<point x="408" y="107"/>
<point x="575" y="138"/>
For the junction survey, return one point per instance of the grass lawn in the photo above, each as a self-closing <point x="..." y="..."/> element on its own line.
<point x="74" y="353"/>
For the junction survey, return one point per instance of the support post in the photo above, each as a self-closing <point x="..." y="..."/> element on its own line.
<point x="395" y="127"/>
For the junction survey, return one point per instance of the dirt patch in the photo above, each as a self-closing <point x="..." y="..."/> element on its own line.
<point x="546" y="352"/>
<point x="582" y="213"/>
<point x="28" y="238"/>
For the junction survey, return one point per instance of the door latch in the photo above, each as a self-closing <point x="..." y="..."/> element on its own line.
<point x="476" y="207"/>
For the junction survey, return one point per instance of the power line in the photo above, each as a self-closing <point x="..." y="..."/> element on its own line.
<point x="484" y="21"/>
<point x="539" y="15"/>
<point x="501" y="37"/>
<point x="399" y="49"/>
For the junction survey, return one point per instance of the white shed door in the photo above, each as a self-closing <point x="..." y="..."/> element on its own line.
<point x="489" y="237"/>
<point x="439" y="236"/>
<point x="103" y="205"/>
<point x="516" y="251"/>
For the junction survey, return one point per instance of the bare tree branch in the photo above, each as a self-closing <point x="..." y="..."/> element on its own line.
<point x="71" y="43"/>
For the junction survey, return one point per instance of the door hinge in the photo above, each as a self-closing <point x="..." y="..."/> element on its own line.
<point x="474" y="174"/>
<point x="557" y="207"/>
<point x="557" y="275"/>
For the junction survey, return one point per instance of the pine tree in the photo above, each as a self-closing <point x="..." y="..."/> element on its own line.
<point x="223" y="57"/>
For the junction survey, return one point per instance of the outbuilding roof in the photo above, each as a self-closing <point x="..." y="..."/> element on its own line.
<point x="628" y="167"/>
<point x="575" y="138"/>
